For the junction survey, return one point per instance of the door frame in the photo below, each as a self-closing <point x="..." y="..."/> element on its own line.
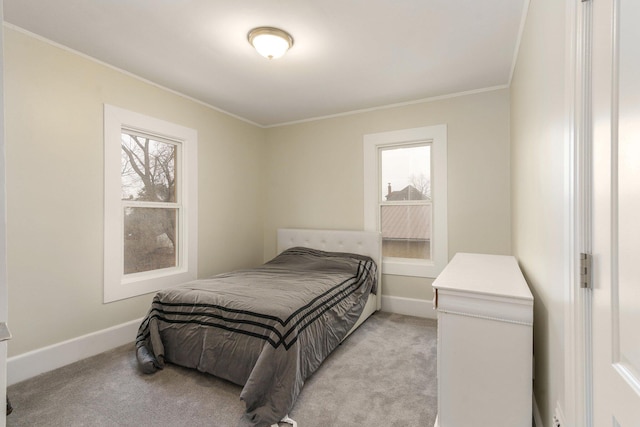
<point x="578" y="395"/>
<point x="4" y="306"/>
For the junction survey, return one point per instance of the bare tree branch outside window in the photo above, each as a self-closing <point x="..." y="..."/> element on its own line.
<point x="422" y="183"/>
<point x="148" y="176"/>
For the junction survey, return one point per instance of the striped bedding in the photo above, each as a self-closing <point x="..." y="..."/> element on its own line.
<point x="267" y="328"/>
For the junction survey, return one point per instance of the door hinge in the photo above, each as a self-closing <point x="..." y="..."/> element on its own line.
<point x="585" y="271"/>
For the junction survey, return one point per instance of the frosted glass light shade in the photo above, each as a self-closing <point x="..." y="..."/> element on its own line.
<point x="270" y="42"/>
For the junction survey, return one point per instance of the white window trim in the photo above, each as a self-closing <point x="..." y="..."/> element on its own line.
<point x="437" y="136"/>
<point x="116" y="286"/>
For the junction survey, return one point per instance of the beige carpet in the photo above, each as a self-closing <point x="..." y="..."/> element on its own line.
<point x="382" y="375"/>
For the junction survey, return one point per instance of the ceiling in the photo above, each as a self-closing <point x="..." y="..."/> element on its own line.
<point x="348" y="55"/>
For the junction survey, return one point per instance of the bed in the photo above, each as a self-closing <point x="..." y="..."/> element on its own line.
<point x="268" y="328"/>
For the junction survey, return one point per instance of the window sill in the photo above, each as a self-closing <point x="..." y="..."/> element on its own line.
<point x="410" y="267"/>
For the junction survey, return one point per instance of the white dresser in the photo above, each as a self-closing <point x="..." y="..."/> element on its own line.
<point x="485" y="337"/>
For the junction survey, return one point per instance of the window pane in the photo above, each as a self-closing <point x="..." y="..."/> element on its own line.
<point x="149" y="239"/>
<point x="148" y="169"/>
<point x="405" y="173"/>
<point x="406" y="231"/>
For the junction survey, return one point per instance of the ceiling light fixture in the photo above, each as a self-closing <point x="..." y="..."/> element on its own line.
<point x="270" y="42"/>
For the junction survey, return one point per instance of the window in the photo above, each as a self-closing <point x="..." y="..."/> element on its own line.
<point x="406" y="198"/>
<point x="405" y="202"/>
<point x="150" y="204"/>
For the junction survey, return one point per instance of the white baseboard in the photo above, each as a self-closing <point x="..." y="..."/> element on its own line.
<point x="408" y="306"/>
<point x="36" y="362"/>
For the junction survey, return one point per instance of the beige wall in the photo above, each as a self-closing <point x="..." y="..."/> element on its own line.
<point x="251" y="181"/>
<point x="315" y="174"/>
<point x="538" y="172"/>
<point x="54" y="142"/>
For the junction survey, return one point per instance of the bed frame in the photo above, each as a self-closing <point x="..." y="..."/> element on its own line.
<point x="359" y="242"/>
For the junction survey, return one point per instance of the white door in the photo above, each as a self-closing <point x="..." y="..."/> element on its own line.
<point x="616" y="212"/>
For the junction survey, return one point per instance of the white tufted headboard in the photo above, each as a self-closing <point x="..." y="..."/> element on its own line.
<point x="358" y="242"/>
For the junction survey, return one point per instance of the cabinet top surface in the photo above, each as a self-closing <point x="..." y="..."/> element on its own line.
<point x="497" y="275"/>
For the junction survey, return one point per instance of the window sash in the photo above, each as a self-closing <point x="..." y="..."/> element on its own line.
<point x="149" y="252"/>
<point x="372" y="144"/>
<point x="177" y="144"/>
<point x="147" y="204"/>
<point x="155" y="136"/>
<point x="401" y="146"/>
<point x="418" y="237"/>
<point x="406" y="202"/>
<point x="153" y="204"/>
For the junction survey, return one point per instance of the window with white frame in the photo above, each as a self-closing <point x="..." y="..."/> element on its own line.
<point x="150" y="232"/>
<point x="406" y="198"/>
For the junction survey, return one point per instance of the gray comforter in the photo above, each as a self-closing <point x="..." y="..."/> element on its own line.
<point x="267" y="328"/>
